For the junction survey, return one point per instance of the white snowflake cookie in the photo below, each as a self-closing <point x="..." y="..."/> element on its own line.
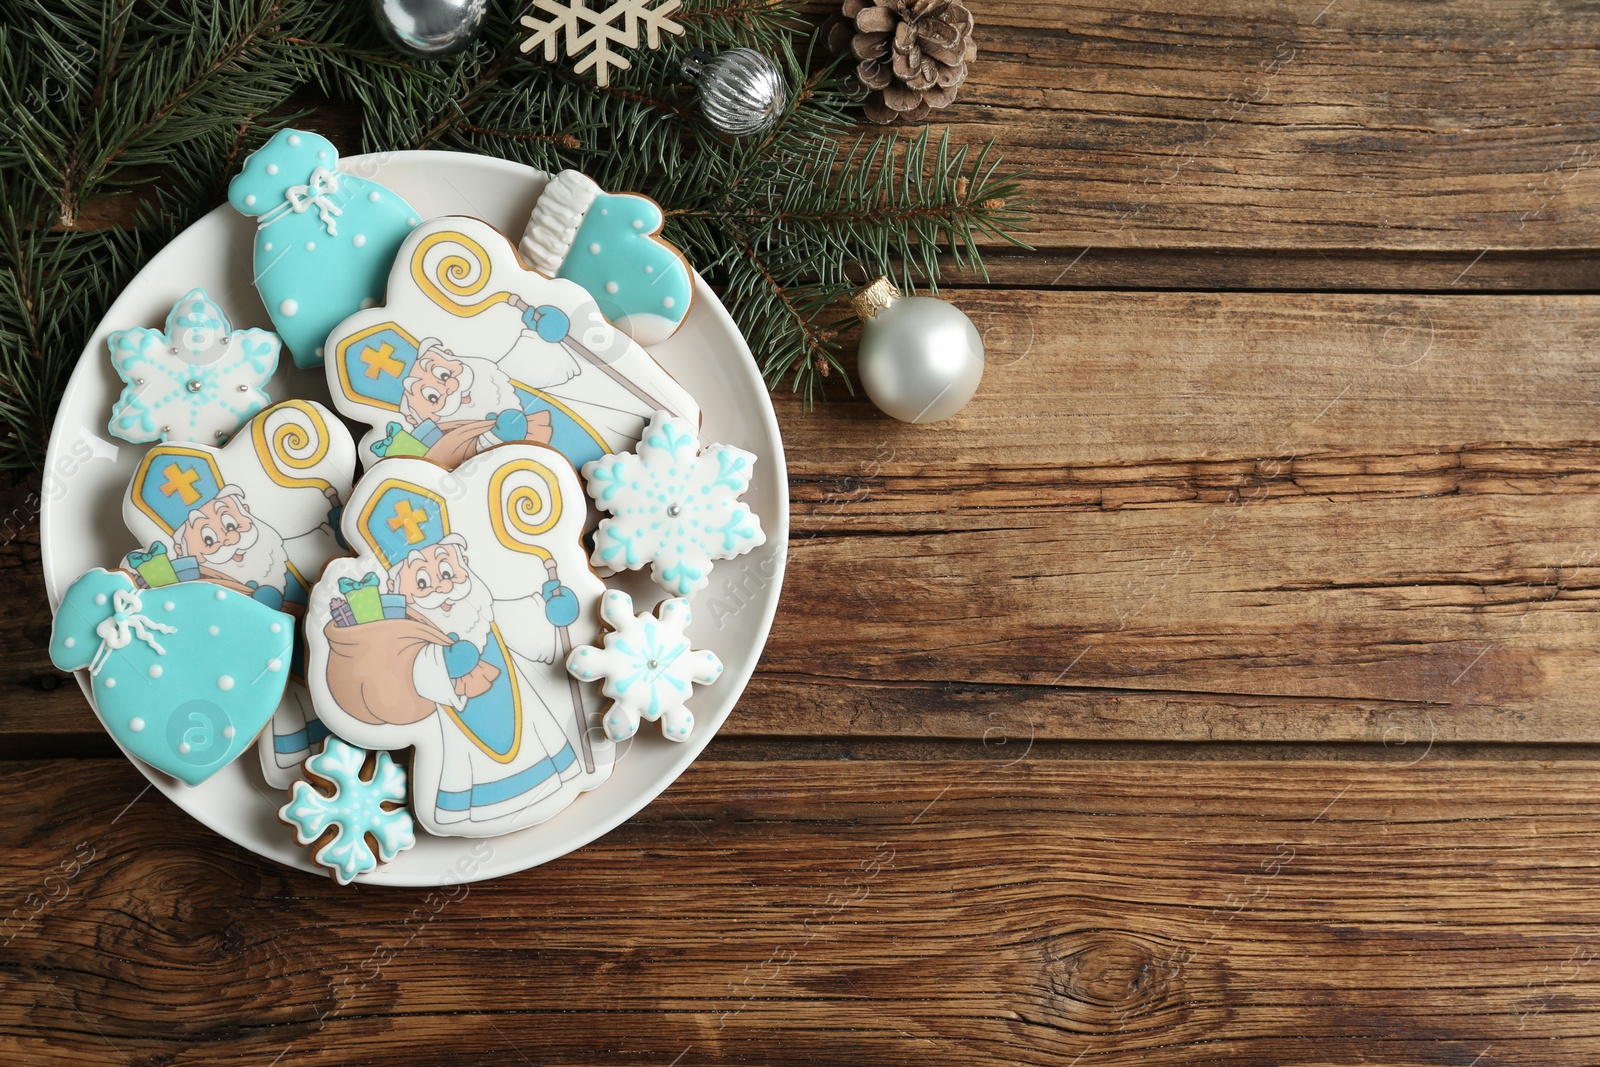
<point x="672" y="506"/>
<point x="198" y="381"/>
<point x="645" y="667"/>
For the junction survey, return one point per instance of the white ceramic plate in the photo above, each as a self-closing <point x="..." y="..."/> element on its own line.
<point x="87" y="474"/>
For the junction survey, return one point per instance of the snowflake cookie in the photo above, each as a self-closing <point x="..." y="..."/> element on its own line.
<point x="645" y="665"/>
<point x="672" y="506"/>
<point x="200" y="380"/>
<point x="354" y="817"/>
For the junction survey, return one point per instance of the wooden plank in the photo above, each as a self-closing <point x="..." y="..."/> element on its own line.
<point x="846" y="913"/>
<point x="1326" y="498"/>
<point x="1357" y="124"/>
<point x="1292" y="269"/>
<point x="1174" y="517"/>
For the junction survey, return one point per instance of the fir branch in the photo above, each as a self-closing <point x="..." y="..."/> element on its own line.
<point x="98" y="97"/>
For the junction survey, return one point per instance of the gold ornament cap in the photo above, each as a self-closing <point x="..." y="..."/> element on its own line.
<point x="874" y="298"/>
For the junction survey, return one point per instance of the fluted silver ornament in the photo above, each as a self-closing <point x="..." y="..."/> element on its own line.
<point x="741" y="91"/>
<point x="430" y="28"/>
<point x="921" y="359"/>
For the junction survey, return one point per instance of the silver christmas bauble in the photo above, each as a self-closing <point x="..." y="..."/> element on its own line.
<point x="921" y="359"/>
<point x="741" y="90"/>
<point x="430" y="28"/>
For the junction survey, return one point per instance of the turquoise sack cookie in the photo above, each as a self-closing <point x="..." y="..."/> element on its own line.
<point x="184" y="676"/>
<point x="324" y="238"/>
<point x="610" y="244"/>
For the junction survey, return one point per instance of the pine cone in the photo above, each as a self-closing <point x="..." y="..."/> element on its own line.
<point x="912" y="54"/>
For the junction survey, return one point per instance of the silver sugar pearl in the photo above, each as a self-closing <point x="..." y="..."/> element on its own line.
<point x="194" y="385"/>
<point x="244" y="388"/>
<point x="654" y="665"/>
<point x="673" y="510"/>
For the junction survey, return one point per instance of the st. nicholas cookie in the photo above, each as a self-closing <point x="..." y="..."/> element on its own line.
<point x="473" y="350"/>
<point x="448" y="632"/>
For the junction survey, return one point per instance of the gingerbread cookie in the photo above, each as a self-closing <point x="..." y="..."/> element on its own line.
<point x="352" y="812"/>
<point x="448" y="632"/>
<point x="198" y="380"/>
<point x="184" y="677"/>
<point x="645" y="666"/>
<point x="257" y="516"/>
<point x="473" y="350"/>
<point x="610" y="244"/>
<point x="324" y="238"/>
<point x="673" y="506"/>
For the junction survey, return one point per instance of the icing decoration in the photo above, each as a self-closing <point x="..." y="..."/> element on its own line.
<point x="610" y="244"/>
<point x="324" y="238"/>
<point x="198" y="380"/>
<point x="673" y="506"/>
<point x="353" y="810"/>
<point x="646" y="665"/>
<point x="258" y="516"/>
<point x="474" y="350"/>
<point x="183" y="678"/>
<point x="494" y="593"/>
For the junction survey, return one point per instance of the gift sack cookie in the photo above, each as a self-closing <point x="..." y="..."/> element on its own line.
<point x="324" y="238"/>
<point x="472" y="350"/>
<point x="183" y="677"/>
<point x="257" y="516"/>
<point x="449" y="631"/>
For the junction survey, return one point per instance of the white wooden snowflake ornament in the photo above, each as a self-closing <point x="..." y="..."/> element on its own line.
<point x="645" y="667"/>
<point x="672" y="506"/>
<point x="198" y="381"/>
<point x="597" y="31"/>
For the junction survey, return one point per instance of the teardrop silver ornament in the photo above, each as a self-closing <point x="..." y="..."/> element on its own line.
<point x="741" y="91"/>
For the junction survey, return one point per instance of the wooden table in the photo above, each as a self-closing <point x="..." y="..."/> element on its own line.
<point x="1219" y="687"/>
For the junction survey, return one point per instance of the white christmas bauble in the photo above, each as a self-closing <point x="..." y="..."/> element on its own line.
<point x="921" y="359"/>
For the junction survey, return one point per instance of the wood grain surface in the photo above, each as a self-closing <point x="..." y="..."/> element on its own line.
<point x="1219" y="687"/>
<point x="796" y="912"/>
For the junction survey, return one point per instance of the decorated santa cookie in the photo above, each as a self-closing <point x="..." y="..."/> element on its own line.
<point x="352" y="811"/>
<point x="197" y="380"/>
<point x="324" y="238"/>
<point x="473" y="350"/>
<point x="610" y="244"/>
<point x="673" y="507"/>
<point x="645" y="666"/>
<point x="184" y="677"/>
<point x="257" y="516"/>
<point x="448" y="632"/>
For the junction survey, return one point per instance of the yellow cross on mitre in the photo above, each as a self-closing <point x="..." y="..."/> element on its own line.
<point x="181" y="480"/>
<point x="411" y="517"/>
<point x="381" y="360"/>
